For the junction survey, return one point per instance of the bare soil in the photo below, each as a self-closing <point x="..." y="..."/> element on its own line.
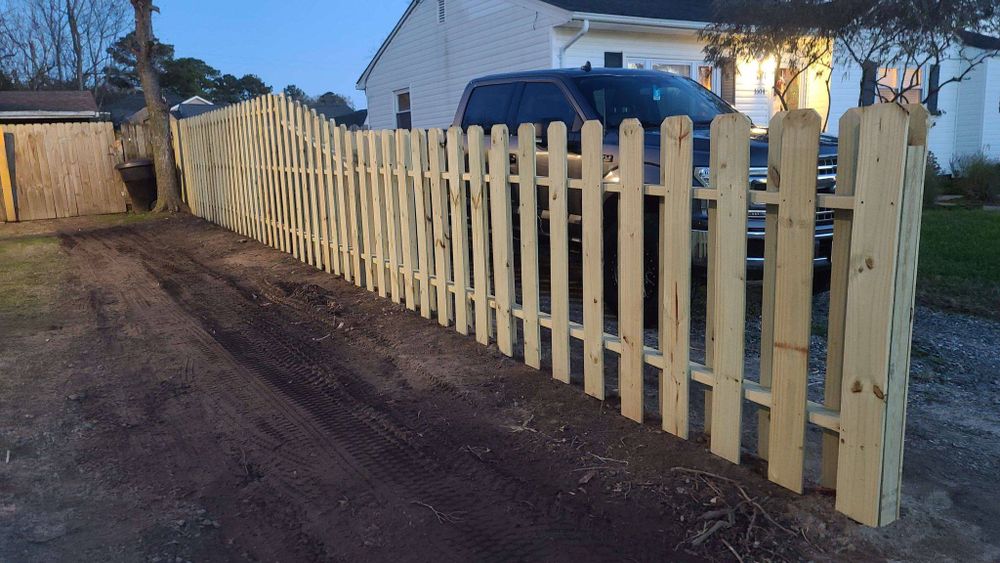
<point x="173" y="392"/>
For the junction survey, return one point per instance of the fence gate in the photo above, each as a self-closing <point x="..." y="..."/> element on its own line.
<point x="59" y="170"/>
<point x="427" y="219"/>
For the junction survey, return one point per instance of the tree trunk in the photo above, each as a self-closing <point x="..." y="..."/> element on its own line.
<point x="168" y="188"/>
<point x="74" y="33"/>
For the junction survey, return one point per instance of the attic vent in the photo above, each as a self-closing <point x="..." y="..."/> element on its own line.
<point x="440" y="11"/>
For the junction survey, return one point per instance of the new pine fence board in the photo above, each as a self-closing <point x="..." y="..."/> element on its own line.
<point x="428" y="219"/>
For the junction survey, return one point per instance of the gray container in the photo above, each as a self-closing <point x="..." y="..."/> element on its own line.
<point x="140" y="181"/>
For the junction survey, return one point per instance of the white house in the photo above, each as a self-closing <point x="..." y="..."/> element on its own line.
<point x="419" y="73"/>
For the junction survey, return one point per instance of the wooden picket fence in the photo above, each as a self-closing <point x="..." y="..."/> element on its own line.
<point x="426" y="218"/>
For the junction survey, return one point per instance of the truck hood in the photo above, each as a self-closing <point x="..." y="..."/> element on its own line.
<point x="758" y="146"/>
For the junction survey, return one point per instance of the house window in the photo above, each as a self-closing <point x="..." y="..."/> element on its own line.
<point x="403" y="109"/>
<point x="909" y="83"/>
<point x="698" y="71"/>
<point x="705" y="75"/>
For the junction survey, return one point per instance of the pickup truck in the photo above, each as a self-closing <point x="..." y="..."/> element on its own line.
<point x="574" y="96"/>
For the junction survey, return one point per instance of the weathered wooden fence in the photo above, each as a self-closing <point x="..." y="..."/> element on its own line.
<point x="426" y="218"/>
<point x="60" y="170"/>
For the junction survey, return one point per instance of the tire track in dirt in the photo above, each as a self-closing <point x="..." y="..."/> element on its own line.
<point x="326" y="405"/>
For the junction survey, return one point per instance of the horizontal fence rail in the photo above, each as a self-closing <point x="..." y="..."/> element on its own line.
<point x="446" y="222"/>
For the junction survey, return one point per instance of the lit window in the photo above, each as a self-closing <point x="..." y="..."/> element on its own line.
<point x="705" y="76"/>
<point x="403" y="109"/>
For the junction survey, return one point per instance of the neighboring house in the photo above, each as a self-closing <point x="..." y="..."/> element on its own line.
<point x="342" y="114"/>
<point x="966" y="115"/>
<point x="47" y="107"/>
<point x="417" y="76"/>
<point x="195" y="105"/>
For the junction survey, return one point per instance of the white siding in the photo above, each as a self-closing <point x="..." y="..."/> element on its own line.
<point x="436" y="60"/>
<point x="969" y="115"/>
<point x="991" y="109"/>
<point x="969" y="111"/>
<point x="670" y="45"/>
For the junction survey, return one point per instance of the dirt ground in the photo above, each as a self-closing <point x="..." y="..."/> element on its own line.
<point x="173" y="392"/>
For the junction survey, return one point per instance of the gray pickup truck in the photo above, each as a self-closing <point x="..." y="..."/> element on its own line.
<point x="574" y="96"/>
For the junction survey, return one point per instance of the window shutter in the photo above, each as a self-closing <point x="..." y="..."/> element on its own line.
<point x="728" y="87"/>
<point x="869" y="83"/>
<point x="933" y="80"/>
<point x="613" y="60"/>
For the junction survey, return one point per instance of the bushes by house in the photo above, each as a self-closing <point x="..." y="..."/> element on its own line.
<point x="977" y="177"/>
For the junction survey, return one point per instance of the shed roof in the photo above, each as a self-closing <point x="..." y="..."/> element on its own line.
<point x="66" y="103"/>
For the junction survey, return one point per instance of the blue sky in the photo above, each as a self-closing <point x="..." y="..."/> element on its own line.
<point x="318" y="45"/>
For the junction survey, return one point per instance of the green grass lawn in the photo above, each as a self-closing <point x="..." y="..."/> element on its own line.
<point x="960" y="260"/>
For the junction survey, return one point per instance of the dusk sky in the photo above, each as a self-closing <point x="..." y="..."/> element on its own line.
<point x="318" y="45"/>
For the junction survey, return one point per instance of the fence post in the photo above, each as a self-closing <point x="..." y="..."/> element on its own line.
<point x="902" y="313"/>
<point x="871" y="412"/>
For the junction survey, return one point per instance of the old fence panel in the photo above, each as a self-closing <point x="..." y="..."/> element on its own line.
<point x="61" y="170"/>
<point x="448" y="226"/>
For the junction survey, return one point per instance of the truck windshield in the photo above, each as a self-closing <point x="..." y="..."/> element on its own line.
<point x="650" y="99"/>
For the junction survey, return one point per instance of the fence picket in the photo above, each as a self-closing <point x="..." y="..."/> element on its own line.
<point x="593" y="258"/>
<point x="340" y="160"/>
<point x="793" y="297"/>
<point x="439" y="222"/>
<point x="631" y="275"/>
<point x="528" y="215"/>
<point x="675" y="273"/>
<point x="730" y="165"/>
<point x="558" y="206"/>
<point x="321" y="247"/>
<point x="774" y="144"/>
<point x="456" y="197"/>
<point x="288" y="179"/>
<point x="432" y="240"/>
<point x="407" y="218"/>
<point x="392" y="222"/>
<point x="331" y="250"/>
<point x="840" y="258"/>
<point x="377" y="210"/>
<point x="353" y="218"/>
<point x="478" y="202"/>
<point x="503" y="239"/>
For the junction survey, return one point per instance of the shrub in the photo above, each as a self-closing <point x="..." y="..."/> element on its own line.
<point x="933" y="181"/>
<point x="978" y="177"/>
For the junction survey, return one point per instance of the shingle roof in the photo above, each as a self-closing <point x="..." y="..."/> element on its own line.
<point x="685" y="10"/>
<point x="980" y="41"/>
<point x="61" y="101"/>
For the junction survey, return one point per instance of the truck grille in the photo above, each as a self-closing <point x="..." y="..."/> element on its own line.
<point x="826" y="181"/>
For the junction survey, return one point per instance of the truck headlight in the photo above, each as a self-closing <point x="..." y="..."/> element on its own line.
<point x="702" y="175"/>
